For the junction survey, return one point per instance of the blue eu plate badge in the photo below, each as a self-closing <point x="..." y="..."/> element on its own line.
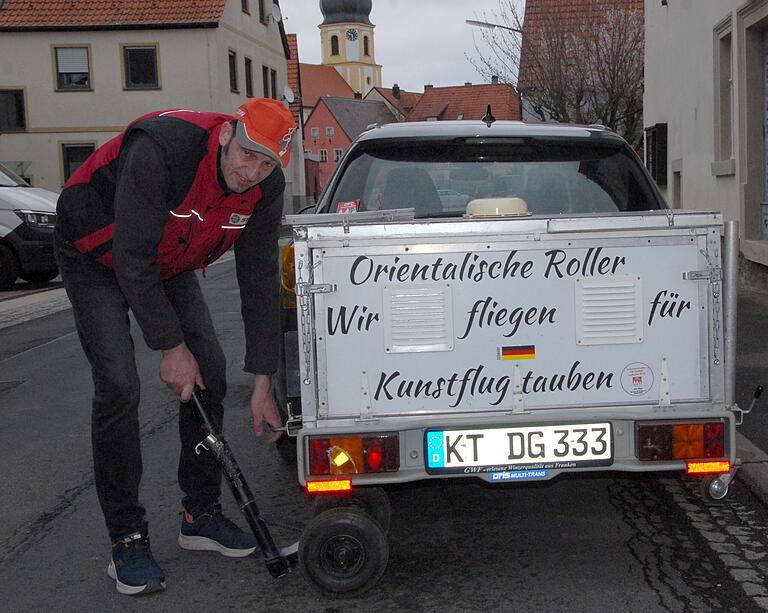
<point x="435" y="450"/>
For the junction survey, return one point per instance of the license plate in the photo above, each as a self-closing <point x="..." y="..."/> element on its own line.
<point x="540" y="447"/>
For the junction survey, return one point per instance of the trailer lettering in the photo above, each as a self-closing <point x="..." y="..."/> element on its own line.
<point x="473" y="267"/>
<point x="473" y="382"/>
<point x="572" y="381"/>
<point x="592" y="264"/>
<point x="458" y="386"/>
<point x="359" y="316"/>
<point x="485" y="312"/>
<point x="668" y="308"/>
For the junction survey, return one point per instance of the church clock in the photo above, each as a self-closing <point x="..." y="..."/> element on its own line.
<point x="351" y="34"/>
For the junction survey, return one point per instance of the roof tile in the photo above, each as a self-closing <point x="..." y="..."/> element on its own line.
<point x="318" y="80"/>
<point x="355" y="115"/>
<point x="467" y="102"/>
<point x="33" y="14"/>
<point x="405" y="102"/>
<point x="571" y="14"/>
<point x="294" y="82"/>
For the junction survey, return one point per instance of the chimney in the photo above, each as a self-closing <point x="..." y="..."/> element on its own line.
<point x="426" y="87"/>
<point x="494" y="80"/>
<point x="396" y="91"/>
<point x="467" y="83"/>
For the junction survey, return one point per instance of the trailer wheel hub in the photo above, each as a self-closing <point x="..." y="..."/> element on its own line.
<point x="342" y="555"/>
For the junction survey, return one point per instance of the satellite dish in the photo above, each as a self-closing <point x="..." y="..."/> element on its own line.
<point x="288" y="95"/>
<point x="276" y="14"/>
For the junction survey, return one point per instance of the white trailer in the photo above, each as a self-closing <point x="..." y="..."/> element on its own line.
<point x="582" y="327"/>
<point x="513" y="349"/>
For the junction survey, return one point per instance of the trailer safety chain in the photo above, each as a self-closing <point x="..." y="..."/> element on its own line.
<point x="715" y="280"/>
<point x="306" y="337"/>
<point x="717" y="293"/>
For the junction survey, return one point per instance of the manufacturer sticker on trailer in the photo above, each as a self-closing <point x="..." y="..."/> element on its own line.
<point x="502" y="449"/>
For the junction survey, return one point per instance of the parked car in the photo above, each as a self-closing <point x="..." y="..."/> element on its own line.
<point x="27" y="219"/>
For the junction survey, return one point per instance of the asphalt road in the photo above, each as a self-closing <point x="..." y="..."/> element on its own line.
<point x="598" y="543"/>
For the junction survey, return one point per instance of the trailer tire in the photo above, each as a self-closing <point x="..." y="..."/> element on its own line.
<point x="9" y="267"/>
<point x="343" y="552"/>
<point x="372" y="500"/>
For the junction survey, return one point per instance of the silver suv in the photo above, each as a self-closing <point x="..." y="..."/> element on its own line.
<point x="439" y="167"/>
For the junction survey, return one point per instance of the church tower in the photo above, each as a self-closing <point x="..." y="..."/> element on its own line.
<point x="347" y="42"/>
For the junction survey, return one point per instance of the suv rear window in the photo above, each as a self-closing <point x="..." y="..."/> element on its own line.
<point x="439" y="178"/>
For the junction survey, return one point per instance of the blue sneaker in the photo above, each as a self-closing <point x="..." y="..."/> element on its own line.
<point x="213" y="532"/>
<point x="133" y="568"/>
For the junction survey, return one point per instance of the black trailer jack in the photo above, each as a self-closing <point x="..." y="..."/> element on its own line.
<point x="279" y="562"/>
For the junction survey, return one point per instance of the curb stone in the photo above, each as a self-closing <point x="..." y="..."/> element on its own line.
<point x="754" y="469"/>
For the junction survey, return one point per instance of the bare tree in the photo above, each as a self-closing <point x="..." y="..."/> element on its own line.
<point x="581" y="65"/>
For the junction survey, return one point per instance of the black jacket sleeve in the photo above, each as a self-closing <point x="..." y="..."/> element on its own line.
<point x="256" y="258"/>
<point x="141" y="212"/>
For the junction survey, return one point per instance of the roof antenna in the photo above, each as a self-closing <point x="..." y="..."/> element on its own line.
<point x="489" y="118"/>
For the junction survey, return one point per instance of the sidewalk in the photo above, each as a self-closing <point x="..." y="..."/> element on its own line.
<point x="754" y="469"/>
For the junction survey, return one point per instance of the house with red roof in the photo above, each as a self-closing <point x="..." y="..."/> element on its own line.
<point x="466" y="102"/>
<point x="318" y="80"/>
<point x="76" y="72"/>
<point x="334" y="124"/>
<point x="399" y="101"/>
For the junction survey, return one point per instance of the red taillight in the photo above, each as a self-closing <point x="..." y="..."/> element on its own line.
<point x="714" y="440"/>
<point x="318" y="456"/>
<point x="654" y="442"/>
<point x="354" y="454"/>
<point x="374" y="454"/>
<point x="382" y="453"/>
<point x="680" y="441"/>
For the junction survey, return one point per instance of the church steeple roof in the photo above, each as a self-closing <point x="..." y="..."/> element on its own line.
<point x="346" y="11"/>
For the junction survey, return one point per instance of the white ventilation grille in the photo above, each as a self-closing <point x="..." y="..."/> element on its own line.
<point x="418" y="318"/>
<point x="609" y="310"/>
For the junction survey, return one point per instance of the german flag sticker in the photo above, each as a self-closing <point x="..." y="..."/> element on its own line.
<point x="517" y="352"/>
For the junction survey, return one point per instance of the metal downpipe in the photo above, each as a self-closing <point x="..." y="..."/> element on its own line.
<point x="730" y="293"/>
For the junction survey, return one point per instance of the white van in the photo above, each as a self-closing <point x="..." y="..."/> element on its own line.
<point x="27" y="218"/>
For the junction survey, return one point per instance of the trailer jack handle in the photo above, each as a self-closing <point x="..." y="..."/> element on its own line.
<point x="279" y="562"/>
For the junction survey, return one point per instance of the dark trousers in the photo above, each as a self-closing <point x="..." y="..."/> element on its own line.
<point x="101" y="315"/>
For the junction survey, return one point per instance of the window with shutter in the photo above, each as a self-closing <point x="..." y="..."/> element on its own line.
<point x="72" y="68"/>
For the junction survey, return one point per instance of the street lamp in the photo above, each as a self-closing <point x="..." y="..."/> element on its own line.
<point x="490" y="26"/>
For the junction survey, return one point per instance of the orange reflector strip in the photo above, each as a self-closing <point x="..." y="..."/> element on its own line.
<point x="337" y="485"/>
<point x="708" y="468"/>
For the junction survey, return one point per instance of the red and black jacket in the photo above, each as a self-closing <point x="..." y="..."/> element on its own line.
<point x="151" y="204"/>
<point x="204" y="221"/>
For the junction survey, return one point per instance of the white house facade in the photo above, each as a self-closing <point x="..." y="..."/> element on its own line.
<point x="706" y="111"/>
